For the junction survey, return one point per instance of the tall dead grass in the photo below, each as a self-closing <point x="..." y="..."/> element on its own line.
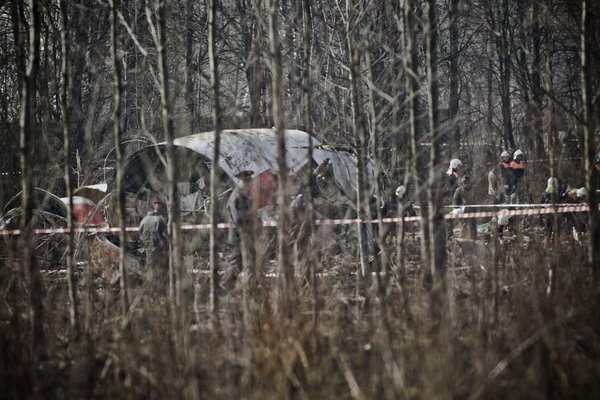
<point x="501" y="335"/>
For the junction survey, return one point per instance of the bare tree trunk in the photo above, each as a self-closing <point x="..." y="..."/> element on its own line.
<point x="64" y="37"/>
<point x="214" y="82"/>
<point x="437" y="229"/>
<point x="381" y="259"/>
<point x="309" y="219"/>
<point x="551" y="132"/>
<point x="176" y="259"/>
<point x="502" y="43"/>
<point x="536" y="84"/>
<point x="588" y="135"/>
<point x="182" y="280"/>
<point x="118" y="87"/>
<point x="17" y="15"/>
<point x="489" y="115"/>
<point x="287" y="289"/>
<point x="254" y="74"/>
<point x="413" y="89"/>
<point x="15" y="291"/>
<point x="362" y="203"/>
<point x="29" y="264"/>
<point x="189" y="58"/>
<point x="453" y="96"/>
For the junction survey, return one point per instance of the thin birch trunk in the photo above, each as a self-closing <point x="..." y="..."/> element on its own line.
<point x="189" y="66"/>
<point x="413" y="89"/>
<point x="64" y="38"/>
<point x="454" y="96"/>
<point x="310" y="215"/>
<point x="182" y="280"/>
<point x="439" y="303"/>
<point x="535" y="78"/>
<point x="437" y="229"/>
<point x="118" y="87"/>
<point x="14" y="290"/>
<point x="401" y="227"/>
<point x="588" y="135"/>
<point x="29" y="264"/>
<point x="176" y="259"/>
<point x="489" y="115"/>
<point x="391" y="364"/>
<point x="551" y="130"/>
<point x="214" y="82"/>
<point x="254" y="75"/>
<point x="359" y="138"/>
<point x="381" y="259"/>
<point x="287" y="289"/>
<point x="502" y="43"/>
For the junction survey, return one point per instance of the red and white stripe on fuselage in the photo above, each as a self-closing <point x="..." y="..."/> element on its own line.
<point x="85" y="211"/>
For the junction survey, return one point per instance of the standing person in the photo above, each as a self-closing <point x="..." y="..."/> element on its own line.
<point x="452" y="181"/>
<point x="596" y="178"/>
<point x="519" y="186"/>
<point x="549" y="196"/>
<point x="460" y="199"/>
<point x="155" y="242"/>
<point x="507" y="174"/>
<point x="240" y="208"/>
<point x="500" y="180"/>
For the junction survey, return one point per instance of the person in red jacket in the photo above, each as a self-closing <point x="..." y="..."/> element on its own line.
<point x="519" y="186"/>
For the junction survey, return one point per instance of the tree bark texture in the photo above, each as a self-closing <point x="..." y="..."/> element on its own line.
<point x="588" y="135"/>
<point x="454" y="95"/>
<point x="358" y="127"/>
<point x="214" y="211"/>
<point x="73" y="303"/>
<point x="120" y="195"/>
<point x="29" y="265"/>
<point x="287" y="293"/>
<point x="437" y="229"/>
<point x="415" y="126"/>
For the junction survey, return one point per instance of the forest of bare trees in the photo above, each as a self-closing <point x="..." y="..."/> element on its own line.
<point x="407" y="85"/>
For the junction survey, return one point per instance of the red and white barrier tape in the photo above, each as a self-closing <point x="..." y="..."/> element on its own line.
<point x="355" y="221"/>
<point x="557" y="159"/>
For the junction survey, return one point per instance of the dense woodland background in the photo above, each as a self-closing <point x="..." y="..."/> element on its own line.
<point x="501" y="66"/>
<point x="409" y="83"/>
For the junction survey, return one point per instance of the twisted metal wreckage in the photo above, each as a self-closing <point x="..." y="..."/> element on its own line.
<point x="244" y="149"/>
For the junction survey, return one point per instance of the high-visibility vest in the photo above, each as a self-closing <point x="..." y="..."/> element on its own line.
<point x="518" y="169"/>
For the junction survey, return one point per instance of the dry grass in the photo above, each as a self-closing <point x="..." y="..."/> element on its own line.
<point x="500" y="334"/>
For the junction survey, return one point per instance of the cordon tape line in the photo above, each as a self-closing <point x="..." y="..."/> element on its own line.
<point x="355" y="221"/>
<point x="557" y="159"/>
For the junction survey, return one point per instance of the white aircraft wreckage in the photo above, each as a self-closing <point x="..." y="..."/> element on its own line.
<point x="334" y="171"/>
<point x="50" y="212"/>
<point x="243" y="149"/>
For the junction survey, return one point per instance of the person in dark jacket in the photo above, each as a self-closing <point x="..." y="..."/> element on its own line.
<point x="452" y="180"/>
<point x="155" y="242"/>
<point x="240" y="208"/>
<point x="507" y="174"/>
<point x="549" y="196"/>
<point x="596" y="178"/>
